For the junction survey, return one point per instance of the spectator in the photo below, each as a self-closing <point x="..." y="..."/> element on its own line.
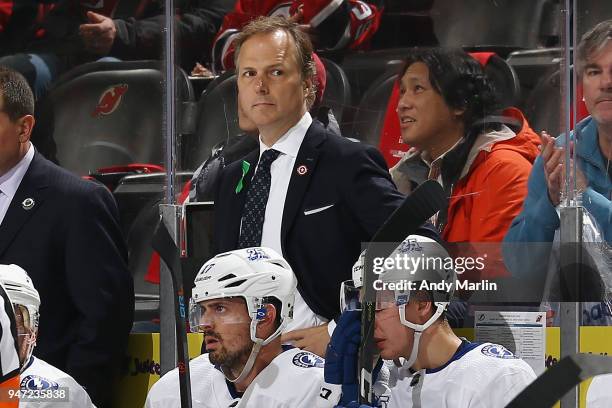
<point x="70" y="35"/>
<point x="306" y="193"/>
<point x="332" y="25"/>
<point x="539" y="220"/>
<point x="65" y="232"/>
<point x="444" y="108"/>
<point x="535" y="232"/>
<point x="439" y="369"/>
<point x="36" y="374"/>
<point x="241" y="301"/>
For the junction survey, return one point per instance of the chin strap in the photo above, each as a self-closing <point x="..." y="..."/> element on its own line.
<point x="257" y="345"/>
<point x="415" y="350"/>
<point x="248" y="366"/>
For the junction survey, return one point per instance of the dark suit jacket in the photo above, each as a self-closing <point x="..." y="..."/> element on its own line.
<point x="71" y="245"/>
<point x="321" y="246"/>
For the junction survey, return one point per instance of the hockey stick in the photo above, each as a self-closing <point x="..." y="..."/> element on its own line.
<point x="556" y="381"/>
<point x="165" y="246"/>
<point x="416" y="209"/>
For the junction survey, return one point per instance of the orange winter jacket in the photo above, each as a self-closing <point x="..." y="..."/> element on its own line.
<point x="493" y="185"/>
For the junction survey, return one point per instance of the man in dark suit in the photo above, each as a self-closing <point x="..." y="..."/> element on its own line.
<point x="307" y="193"/>
<point x="65" y="232"/>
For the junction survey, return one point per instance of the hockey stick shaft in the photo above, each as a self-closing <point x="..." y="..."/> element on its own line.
<point x="416" y="209"/>
<point x="559" y="379"/>
<point x="168" y="251"/>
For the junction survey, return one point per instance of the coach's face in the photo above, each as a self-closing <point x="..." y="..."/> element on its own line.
<point x="225" y="324"/>
<point x="14" y="138"/>
<point x="271" y="89"/>
<point x="597" y="85"/>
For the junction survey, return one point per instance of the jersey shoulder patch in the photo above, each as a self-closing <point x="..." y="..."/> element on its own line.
<point x="495" y="350"/>
<point x="307" y="359"/>
<point x="35" y="382"/>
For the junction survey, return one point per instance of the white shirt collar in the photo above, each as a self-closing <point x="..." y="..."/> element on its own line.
<point x="9" y="182"/>
<point x="291" y="141"/>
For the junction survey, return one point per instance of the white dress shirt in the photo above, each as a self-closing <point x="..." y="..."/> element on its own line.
<point x="10" y="181"/>
<point x="281" y="170"/>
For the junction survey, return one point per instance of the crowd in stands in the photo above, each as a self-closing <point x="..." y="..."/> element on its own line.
<point x="293" y="186"/>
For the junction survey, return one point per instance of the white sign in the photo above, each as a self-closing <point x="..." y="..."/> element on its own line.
<point x="523" y="333"/>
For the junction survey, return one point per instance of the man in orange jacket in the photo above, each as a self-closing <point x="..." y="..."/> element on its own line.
<point x="483" y="162"/>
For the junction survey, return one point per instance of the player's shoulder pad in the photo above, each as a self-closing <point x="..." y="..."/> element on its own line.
<point x="306" y="359"/>
<point x="37" y="382"/>
<point x="496" y="350"/>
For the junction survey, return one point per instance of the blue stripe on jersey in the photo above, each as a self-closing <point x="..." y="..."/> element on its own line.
<point x="462" y="350"/>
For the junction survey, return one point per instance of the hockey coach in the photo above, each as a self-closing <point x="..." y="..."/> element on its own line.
<point x="308" y="194"/>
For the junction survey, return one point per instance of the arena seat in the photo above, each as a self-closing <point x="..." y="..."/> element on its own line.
<point x="337" y="94"/>
<point x="490" y="24"/>
<point x="543" y="105"/>
<point x="217" y="119"/>
<point x="105" y="114"/>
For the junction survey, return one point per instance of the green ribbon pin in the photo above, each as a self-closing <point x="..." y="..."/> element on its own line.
<point x="245" y="169"/>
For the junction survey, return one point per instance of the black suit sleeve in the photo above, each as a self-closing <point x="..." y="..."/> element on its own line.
<point x="369" y="191"/>
<point x="101" y="289"/>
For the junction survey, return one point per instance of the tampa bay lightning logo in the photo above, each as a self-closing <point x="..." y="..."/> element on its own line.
<point x="256" y="254"/>
<point x="495" y="350"/>
<point x="306" y="360"/>
<point x="34" y="382"/>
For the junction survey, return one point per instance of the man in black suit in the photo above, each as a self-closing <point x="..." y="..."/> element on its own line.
<point x="65" y="232"/>
<point x="307" y="193"/>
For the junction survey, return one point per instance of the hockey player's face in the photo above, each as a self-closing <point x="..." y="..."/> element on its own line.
<point x="225" y="324"/>
<point x="392" y="338"/>
<point x="597" y="85"/>
<point x="26" y="338"/>
<point x="272" y="92"/>
<point x="424" y="116"/>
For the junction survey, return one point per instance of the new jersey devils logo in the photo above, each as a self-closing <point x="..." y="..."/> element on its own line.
<point x="110" y="100"/>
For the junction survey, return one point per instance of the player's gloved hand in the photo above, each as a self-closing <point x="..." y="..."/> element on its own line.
<point x="341" y="354"/>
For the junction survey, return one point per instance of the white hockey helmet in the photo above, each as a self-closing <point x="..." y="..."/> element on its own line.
<point x="254" y="274"/>
<point x="21" y="291"/>
<point x="417" y="259"/>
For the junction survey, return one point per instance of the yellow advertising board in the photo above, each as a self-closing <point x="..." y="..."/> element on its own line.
<point x="142" y="369"/>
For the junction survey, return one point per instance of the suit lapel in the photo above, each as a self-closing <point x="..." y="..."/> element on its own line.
<point x="27" y="200"/>
<point x="301" y="175"/>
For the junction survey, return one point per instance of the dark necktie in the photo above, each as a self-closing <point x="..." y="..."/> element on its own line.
<point x="256" y="200"/>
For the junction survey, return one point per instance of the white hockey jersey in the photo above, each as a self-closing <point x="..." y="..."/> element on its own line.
<point x="477" y="376"/>
<point x="39" y="375"/>
<point x="294" y="379"/>
<point x="599" y="394"/>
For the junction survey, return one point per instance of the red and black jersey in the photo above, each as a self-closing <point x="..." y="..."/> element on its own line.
<point x="341" y="24"/>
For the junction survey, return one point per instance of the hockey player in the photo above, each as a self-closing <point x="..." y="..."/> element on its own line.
<point x="43" y="384"/>
<point x="334" y="25"/>
<point x="432" y="366"/>
<point x="241" y="302"/>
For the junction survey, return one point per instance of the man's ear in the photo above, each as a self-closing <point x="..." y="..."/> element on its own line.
<point x="26" y="124"/>
<point x="459" y="112"/>
<point x="424" y="311"/>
